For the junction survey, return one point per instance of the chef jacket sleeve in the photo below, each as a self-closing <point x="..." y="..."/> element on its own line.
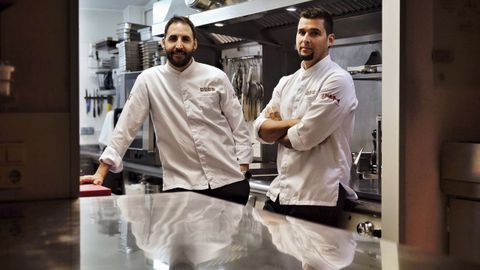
<point x="232" y="110"/>
<point x="133" y="115"/>
<point x="274" y="102"/>
<point x="335" y="101"/>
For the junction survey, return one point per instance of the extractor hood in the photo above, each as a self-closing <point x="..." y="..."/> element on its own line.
<point x="260" y="20"/>
<point x="199" y="18"/>
<point x="163" y="10"/>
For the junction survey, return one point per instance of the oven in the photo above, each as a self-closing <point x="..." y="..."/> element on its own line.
<point x="143" y="148"/>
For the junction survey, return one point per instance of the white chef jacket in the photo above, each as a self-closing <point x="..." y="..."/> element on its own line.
<point x="323" y="98"/>
<point x="199" y="126"/>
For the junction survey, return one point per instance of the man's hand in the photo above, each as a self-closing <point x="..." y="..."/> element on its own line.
<point x="98" y="177"/>
<point x="244" y="167"/>
<point x="285" y="141"/>
<point x="94" y="179"/>
<point x="273" y="113"/>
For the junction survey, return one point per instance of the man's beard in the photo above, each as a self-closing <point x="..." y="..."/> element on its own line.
<point x="305" y="57"/>
<point x="179" y="63"/>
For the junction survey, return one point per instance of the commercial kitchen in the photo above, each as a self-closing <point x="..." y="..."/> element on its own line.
<point x="67" y="66"/>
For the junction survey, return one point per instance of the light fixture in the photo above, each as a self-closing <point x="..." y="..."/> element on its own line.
<point x="291" y="9"/>
<point x="219" y="24"/>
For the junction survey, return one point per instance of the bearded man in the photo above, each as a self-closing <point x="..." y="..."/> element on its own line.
<point x="203" y="141"/>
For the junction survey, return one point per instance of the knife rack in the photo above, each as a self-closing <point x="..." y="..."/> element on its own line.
<point x="95" y="102"/>
<point x="101" y="98"/>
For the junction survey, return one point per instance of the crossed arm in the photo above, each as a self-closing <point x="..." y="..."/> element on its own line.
<point x="274" y="129"/>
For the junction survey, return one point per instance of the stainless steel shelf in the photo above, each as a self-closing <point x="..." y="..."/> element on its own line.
<point x="368" y="76"/>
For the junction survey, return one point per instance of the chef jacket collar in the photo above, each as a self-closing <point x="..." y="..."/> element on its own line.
<point x="315" y="68"/>
<point x="184" y="72"/>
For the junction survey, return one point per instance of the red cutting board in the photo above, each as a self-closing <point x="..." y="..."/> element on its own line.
<point x="89" y="190"/>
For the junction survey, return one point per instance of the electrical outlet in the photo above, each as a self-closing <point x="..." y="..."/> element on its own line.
<point x="11" y="177"/>
<point x="87" y="131"/>
<point x="12" y="160"/>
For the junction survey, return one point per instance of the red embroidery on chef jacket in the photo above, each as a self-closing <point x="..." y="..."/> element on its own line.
<point x="332" y="97"/>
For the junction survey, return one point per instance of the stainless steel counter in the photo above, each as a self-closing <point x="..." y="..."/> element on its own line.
<point x="261" y="179"/>
<point x="93" y="152"/>
<point x="186" y="231"/>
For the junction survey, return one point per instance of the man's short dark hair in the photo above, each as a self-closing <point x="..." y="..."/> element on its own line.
<point x="181" y="19"/>
<point x="316" y="13"/>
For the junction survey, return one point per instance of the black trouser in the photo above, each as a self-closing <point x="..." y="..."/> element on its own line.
<point x="328" y="215"/>
<point x="236" y="192"/>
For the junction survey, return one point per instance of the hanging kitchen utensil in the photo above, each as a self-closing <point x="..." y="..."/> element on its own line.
<point x="109" y="102"/>
<point x="248" y="91"/>
<point x="234" y="84"/>
<point x="108" y="81"/>
<point x="239" y="80"/>
<point x="87" y="101"/>
<point x="260" y="92"/>
<point x="247" y="82"/>
<point x="100" y="107"/>
<point x="99" y="104"/>
<point x="259" y="99"/>
<point x="94" y="108"/>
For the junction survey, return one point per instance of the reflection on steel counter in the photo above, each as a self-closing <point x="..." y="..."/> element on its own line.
<point x="190" y="229"/>
<point x="179" y="228"/>
<point x="198" y="232"/>
<point x="326" y="249"/>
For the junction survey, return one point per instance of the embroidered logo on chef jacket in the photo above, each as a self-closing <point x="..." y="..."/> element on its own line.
<point x="310" y="93"/>
<point x="207" y="89"/>
<point x="331" y="97"/>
